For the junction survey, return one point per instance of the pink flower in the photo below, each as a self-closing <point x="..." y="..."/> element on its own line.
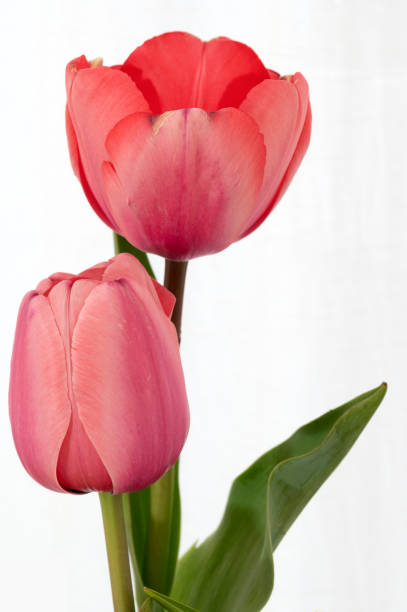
<point x="97" y="393"/>
<point x="187" y="146"/>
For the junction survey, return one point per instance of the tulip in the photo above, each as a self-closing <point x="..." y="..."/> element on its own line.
<point x="188" y="145"/>
<point x="97" y="393"/>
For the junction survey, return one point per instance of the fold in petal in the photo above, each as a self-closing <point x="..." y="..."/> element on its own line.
<point x="279" y="108"/>
<point x="177" y="70"/>
<point x="137" y="397"/>
<point x="97" y="99"/>
<point x="185" y="184"/>
<point x="39" y="405"/>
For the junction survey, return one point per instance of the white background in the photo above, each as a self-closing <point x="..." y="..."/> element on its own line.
<point x="304" y="314"/>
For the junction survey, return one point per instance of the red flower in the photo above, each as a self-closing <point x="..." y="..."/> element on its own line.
<point x="187" y="146"/>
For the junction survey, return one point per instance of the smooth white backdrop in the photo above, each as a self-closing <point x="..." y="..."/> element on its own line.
<point x="306" y="313"/>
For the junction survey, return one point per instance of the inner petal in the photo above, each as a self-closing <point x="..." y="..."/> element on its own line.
<point x="79" y="466"/>
<point x="177" y="70"/>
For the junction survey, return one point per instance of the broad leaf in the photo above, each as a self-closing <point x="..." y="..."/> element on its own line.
<point x="169" y="604"/>
<point x="232" y="571"/>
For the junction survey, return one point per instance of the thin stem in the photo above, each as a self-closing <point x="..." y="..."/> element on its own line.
<point x="174" y="280"/>
<point x="164" y="519"/>
<point x="117" y="552"/>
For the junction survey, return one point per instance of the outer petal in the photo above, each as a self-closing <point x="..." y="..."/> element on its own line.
<point x="297" y="158"/>
<point x="187" y="184"/>
<point x="97" y="99"/>
<point x="78" y="168"/>
<point x="128" y="384"/>
<point x="39" y="404"/>
<point x="279" y="107"/>
<point x="177" y="70"/>
<point x="79" y="63"/>
<point x="125" y="265"/>
<point x="72" y="144"/>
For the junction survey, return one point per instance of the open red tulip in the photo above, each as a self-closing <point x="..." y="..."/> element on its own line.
<point x="97" y="393"/>
<point x="187" y="146"/>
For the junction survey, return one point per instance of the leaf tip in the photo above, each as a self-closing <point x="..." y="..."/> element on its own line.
<point x="382" y="389"/>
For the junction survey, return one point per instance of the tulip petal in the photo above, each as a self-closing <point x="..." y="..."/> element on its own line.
<point x="95" y="272"/>
<point x="46" y="285"/>
<point x="79" y="467"/>
<point x="279" y="108"/>
<point x="39" y="404"/>
<point x="72" y="144"/>
<point x="79" y="171"/>
<point x="167" y="299"/>
<point x="185" y="184"/>
<point x="177" y="70"/>
<point x="128" y="384"/>
<point x="125" y="265"/>
<point x="98" y="98"/>
<point x="297" y="158"/>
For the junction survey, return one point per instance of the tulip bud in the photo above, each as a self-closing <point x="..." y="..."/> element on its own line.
<point x="188" y="145"/>
<point x="97" y="393"/>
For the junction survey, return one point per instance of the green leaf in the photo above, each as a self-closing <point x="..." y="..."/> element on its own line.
<point x="163" y="538"/>
<point x="232" y="570"/>
<point x="136" y="507"/>
<point x="121" y="245"/>
<point x="147" y="606"/>
<point x="169" y="604"/>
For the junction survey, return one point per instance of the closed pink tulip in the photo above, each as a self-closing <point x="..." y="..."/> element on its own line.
<point x="187" y="146"/>
<point x="97" y="394"/>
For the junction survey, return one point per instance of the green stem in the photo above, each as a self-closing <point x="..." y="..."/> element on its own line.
<point x="117" y="552"/>
<point x="164" y="518"/>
